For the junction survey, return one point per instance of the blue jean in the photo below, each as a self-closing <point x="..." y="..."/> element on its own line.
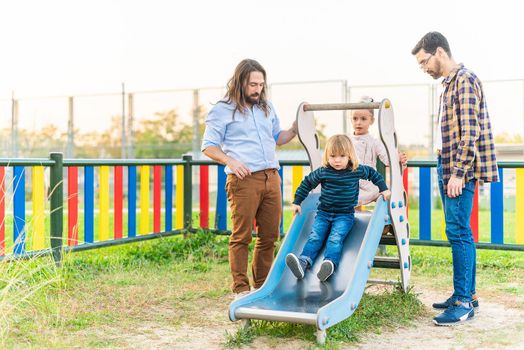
<point x="331" y="226"/>
<point x="457" y="213"/>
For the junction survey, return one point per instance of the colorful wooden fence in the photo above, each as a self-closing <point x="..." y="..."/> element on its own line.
<point x="148" y="215"/>
<point x="100" y="201"/>
<point x="427" y="196"/>
<point x="96" y="202"/>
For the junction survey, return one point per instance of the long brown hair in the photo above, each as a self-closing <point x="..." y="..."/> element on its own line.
<point x="237" y="84"/>
<point x="340" y="145"/>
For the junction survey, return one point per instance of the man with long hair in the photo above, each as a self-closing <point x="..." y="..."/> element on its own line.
<point x="242" y="131"/>
<point x="466" y="155"/>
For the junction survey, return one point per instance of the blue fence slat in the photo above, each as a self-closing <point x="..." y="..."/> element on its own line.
<point x="221" y="212"/>
<point x="19" y="210"/>
<point x="497" y="209"/>
<point x="131" y="201"/>
<point x="169" y="197"/>
<point x="281" y="173"/>
<point x="425" y="204"/>
<point x="89" y="204"/>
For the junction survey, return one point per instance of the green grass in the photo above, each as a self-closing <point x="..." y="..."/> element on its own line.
<point x="43" y="305"/>
<point x="376" y="312"/>
<point x="100" y="298"/>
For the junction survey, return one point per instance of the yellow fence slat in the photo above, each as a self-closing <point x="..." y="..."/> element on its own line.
<point x="298" y="176"/>
<point x="104" y="203"/>
<point x="144" y="199"/>
<point x="443" y="223"/>
<point x="179" y="224"/>
<point x="38" y="208"/>
<point x="519" y="212"/>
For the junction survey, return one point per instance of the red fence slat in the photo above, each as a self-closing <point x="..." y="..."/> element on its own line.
<point x="204" y="196"/>
<point x="405" y="181"/>
<point x="72" y="205"/>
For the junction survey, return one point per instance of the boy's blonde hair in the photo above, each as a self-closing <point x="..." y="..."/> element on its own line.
<point x="340" y="145"/>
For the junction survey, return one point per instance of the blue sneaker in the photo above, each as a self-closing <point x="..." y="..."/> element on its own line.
<point x="455" y="314"/>
<point x="444" y="304"/>
<point x="451" y="301"/>
<point x="475" y="303"/>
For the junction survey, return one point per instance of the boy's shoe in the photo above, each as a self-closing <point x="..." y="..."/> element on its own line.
<point x="455" y="314"/>
<point x="241" y="294"/>
<point x="296" y="265"/>
<point x="451" y="301"/>
<point x="326" y="269"/>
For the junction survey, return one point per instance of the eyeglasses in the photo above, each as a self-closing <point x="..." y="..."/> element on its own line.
<point x="424" y="63"/>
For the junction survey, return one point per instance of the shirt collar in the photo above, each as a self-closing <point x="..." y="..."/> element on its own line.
<point x="452" y="74"/>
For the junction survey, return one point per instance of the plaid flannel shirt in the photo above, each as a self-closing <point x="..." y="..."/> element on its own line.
<point x="468" y="149"/>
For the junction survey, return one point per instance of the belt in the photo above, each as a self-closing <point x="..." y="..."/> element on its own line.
<point x="264" y="171"/>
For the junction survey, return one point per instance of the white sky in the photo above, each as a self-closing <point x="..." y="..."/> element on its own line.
<point x="59" y="47"/>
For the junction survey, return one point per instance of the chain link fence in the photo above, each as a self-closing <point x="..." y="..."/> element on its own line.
<point x="114" y="125"/>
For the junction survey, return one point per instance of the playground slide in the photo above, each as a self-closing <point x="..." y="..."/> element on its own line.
<point x="309" y="301"/>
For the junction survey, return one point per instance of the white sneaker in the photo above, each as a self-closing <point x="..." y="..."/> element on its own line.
<point x="295" y="265"/>
<point x="241" y="294"/>
<point x="326" y="269"/>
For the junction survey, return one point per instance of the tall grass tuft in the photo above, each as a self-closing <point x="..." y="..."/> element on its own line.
<point x="25" y="287"/>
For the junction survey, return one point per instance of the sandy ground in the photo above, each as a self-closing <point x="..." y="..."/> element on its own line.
<point x="498" y="325"/>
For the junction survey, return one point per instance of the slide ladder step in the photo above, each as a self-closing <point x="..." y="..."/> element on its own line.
<point x="388" y="240"/>
<point x="387" y="262"/>
<point x="378" y="281"/>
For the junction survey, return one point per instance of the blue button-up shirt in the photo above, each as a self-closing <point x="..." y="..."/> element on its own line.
<point x="248" y="137"/>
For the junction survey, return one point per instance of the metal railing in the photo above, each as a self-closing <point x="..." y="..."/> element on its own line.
<point x="416" y="106"/>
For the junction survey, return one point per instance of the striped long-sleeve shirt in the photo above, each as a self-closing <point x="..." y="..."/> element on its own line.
<point x="339" y="193"/>
<point x="468" y="149"/>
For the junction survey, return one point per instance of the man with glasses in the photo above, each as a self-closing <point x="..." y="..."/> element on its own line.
<point x="466" y="155"/>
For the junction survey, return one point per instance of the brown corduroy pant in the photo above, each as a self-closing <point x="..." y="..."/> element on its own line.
<point x="256" y="197"/>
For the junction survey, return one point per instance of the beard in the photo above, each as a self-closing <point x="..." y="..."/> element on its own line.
<point x="253" y="99"/>
<point x="437" y="72"/>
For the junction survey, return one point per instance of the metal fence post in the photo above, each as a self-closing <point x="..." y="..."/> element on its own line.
<point x="188" y="192"/>
<point x="345" y="112"/>
<point x="123" y="124"/>
<point x="130" y="127"/>
<point x="14" y="127"/>
<point x="196" y="124"/>
<point x="57" y="206"/>
<point x="70" y="128"/>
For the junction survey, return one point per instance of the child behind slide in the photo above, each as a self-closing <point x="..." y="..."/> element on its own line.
<point x="339" y="177"/>
<point x="368" y="149"/>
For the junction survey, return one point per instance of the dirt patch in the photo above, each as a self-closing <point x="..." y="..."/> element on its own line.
<point x="496" y="326"/>
<point x="183" y="337"/>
